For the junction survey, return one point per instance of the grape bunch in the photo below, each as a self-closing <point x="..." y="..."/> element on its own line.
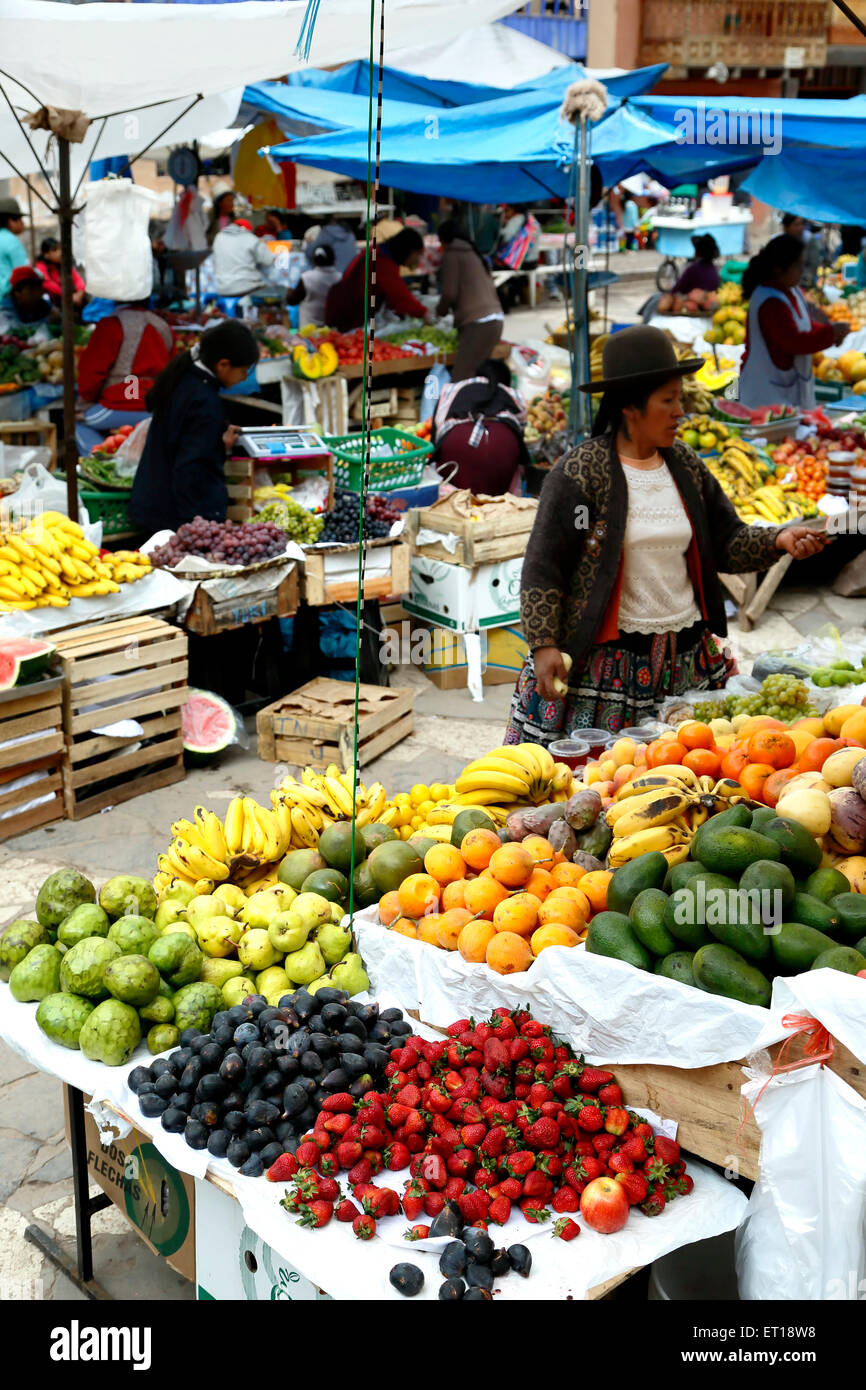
<point x="783" y="697"/>
<point x="342" y="523"/>
<point x="221" y="542"/>
<point x="293" y="519"/>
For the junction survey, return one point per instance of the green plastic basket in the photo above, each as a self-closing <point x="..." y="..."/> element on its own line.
<point x="111" y="508"/>
<point x="393" y="467"/>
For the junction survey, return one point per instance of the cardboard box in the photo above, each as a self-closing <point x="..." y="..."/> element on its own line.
<point x="503" y="651"/>
<point x="464" y="600"/>
<point x="154" y="1197"/>
<point x="232" y="1262"/>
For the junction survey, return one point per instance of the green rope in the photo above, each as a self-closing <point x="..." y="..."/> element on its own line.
<point x="367" y="382"/>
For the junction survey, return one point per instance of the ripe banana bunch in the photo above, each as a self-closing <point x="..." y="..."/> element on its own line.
<point x="660" y="806"/>
<point x="444" y="813"/>
<point x="126" y="566"/>
<point x="665" y="838"/>
<point x="49" y="562"/>
<point x="333" y="795"/>
<point x="516" y="772"/>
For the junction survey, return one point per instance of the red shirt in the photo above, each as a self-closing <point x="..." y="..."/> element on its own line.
<point x="100" y="356"/>
<point x="344" y="306"/>
<point x="51" y="277"/>
<point x="784" y="339"/>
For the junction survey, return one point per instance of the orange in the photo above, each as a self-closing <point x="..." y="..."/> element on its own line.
<point x="405" y="927"/>
<point x="511" y="865"/>
<point x="662" y="751"/>
<point x="594" y="885"/>
<point x="817" y="753"/>
<point x="540" y="882"/>
<point x="452" y="893"/>
<point x="483" y="895"/>
<point x="694" y="734"/>
<point x="427" y="929"/>
<point x="474" y="939"/>
<point x="477" y="847"/>
<point x="704" y="762"/>
<point x="519" y="914"/>
<point x="775" y="785"/>
<point x="445" y="863"/>
<point x="552" y="934"/>
<point x="733" y="762"/>
<point x="772" y="746"/>
<point x="450" y="925"/>
<point x="567" y="875"/>
<point x="418" y="894"/>
<point x="389" y="908"/>
<point x="753" y="777"/>
<point x="566" y="912"/>
<point x="754" y="723"/>
<point x="541" y="850"/>
<point x="507" y="953"/>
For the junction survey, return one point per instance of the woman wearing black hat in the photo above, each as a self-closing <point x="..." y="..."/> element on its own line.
<point x="622" y="568"/>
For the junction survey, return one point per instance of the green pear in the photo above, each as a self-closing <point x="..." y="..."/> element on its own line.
<point x="235" y="990"/>
<point x="287" y="931"/>
<point x="337" y="913"/>
<point x="313" y="909"/>
<point x="219" y="972"/>
<point x="178" y="892"/>
<point x="264" y="905"/>
<point x="218" y="936"/>
<point x="206" y="906"/>
<point x="256" y="951"/>
<point x="233" y="895"/>
<point x="315" y="985"/>
<point x="170" y="910"/>
<point x="350" y="974"/>
<point x="304" y="965"/>
<point x="333" y="941"/>
<point x="274" y="980"/>
<point x="185" y="928"/>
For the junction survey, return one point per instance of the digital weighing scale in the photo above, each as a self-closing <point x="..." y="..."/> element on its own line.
<point x="281" y="444"/>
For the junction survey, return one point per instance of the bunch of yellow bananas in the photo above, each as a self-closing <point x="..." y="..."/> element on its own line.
<point x="772" y="503"/>
<point x="243" y="850"/>
<point x="127" y="565"/>
<point x="322" y="798"/>
<point x="49" y="562"/>
<point x="515" y="773"/>
<point x="662" y="809"/>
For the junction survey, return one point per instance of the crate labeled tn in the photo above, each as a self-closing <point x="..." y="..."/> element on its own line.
<point x="134" y="670"/>
<point x="314" y="725"/>
<point x="31" y="755"/>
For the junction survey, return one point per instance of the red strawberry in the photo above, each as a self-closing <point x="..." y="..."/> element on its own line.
<point x="518" y="1164"/>
<point x="591" y="1078"/>
<point x="472" y="1135"/>
<point x="361" y="1171"/>
<point x="348" y="1153"/>
<point x="642" y="1129"/>
<point x="409" y="1095"/>
<point x="620" y="1163"/>
<point x="562" y="1086"/>
<point x="541" y="1049"/>
<point x="544" y="1134"/>
<point x="397" y="1156"/>
<point x="610" y="1095"/>
<point x="459" y="1162"/>
<point x="346" y="1210"/>
<point x="545" y="1071"/>
<point x="539" y="1092"/>
<point x="397" y="1115"/>
<point x="376" y="1202"/>
<point x="654" y="1170"/>
<point x="362" y="1190"/>
<point x="535" y="1184"/>
<point x="531" y="1029"/>
<point x="518" y="1048"/>
<point x="635" y="1148"/>
<point x="533" y="1211"/>
<point x="413" y="1200"/>
<point x="432" y="1169"/>
<point x="636" y="1187"/>
<point x="484" y="1177"/>
<point x="494" y="1141"/>
<point x="511" y="1188"/>
<point x="433" y="1203"/>
<point x="341" y="1103"/>
<point x="603" y="1143"/>
<point x="416" y="1233"/>
<point x="549" y="1163"/>
<point x="584" y="1147"/>
<point x="654" y="1204"/>
<point x="329" y="1165"/>
<point x="566" y="1199"/>
<point x="454" y="1187"/>
<point x="285" y="1167"/>
<point x="336" y="1125"/>
<point x="616" y="1121"/>
<point x="565" y="1228"/>
<point x="500" y="1210"/>
<point x="328" y="1190"/>
<point x="364" y="1226"/>
<point x="307" y="1154"/>
<point x="291" y="1200"/>
<point x="318" y="1213"/>
<point x="590" y="1118"/>
<point x="474" y="1206"/>
<point x="679" y="1187"/>
<point x="668" y="1150"/>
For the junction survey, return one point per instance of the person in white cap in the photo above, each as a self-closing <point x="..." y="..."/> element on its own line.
<point x="12" y="253"/>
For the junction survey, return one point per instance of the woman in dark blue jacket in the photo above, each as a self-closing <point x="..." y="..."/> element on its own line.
<point x="181" y="472"/>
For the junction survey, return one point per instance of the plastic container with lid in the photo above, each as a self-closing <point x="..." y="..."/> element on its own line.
<point x="857" y="479"/>
<point x="599" y="740"/>
<point x="839" y="464"/>
<point x="574" y="752"/>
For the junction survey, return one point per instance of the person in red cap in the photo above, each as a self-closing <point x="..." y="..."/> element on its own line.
<point x="25" y="305"/>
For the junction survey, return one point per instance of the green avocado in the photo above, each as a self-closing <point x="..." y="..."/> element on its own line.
<point x="677" y="966"/>
<point x="646" y="871"/>
<point x="850" y="908"/>
<point x="647" y="917"/>
<point x="721" y="970"/>
<point x="611" y="934"/>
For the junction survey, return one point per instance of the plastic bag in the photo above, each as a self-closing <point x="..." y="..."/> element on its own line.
<point x="38" y="492"/>
<point x="128" y="456"/>
<point x="118" y="256"/>
<point x="187" y="227"/>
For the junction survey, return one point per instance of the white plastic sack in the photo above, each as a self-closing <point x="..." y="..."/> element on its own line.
<point x="187" y="226"/>
<point x="117" y="253"/>
<point x="39" y="492"/>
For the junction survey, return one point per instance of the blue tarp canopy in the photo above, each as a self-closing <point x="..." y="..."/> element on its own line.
<point x="308" y="110"/>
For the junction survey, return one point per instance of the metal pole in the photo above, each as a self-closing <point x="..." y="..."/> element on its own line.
<point x="65" y="214"/>
<point x="581" y="335"/>
<point x="30" y="220"/>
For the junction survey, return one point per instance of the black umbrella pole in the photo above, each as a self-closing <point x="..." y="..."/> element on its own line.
<point x="65" y="215"/>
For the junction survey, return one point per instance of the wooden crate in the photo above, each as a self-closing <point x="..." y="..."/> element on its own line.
<point x="204" y="617"/>
<point x="321" y="585"/>
<point x="152" y="655"/>
<point x="241" y="484"/>
<point x="34" y="712"/>
<point x="30" y="434"/>
<point x="499" y="536"/>
<point x="315" y="724"/>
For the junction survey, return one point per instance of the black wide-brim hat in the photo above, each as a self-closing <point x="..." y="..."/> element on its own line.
<point x="641" y="353"/>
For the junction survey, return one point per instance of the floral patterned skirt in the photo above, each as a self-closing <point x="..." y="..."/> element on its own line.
<point x="619" y="684"/>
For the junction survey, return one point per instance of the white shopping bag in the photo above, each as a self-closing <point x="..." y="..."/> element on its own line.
<point x="117" y="251"/>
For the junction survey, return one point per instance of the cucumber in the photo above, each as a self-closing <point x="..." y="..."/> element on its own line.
<point x="851" y="911"/>
<point x="647" y="917"/>
<point x="843" y="958"/>
<point x="610" y="934"/>
<point x="721" y="970"/>
<point x="795" y="947"/>
<point x="812" y="912"/>
<point x="677" y="966"/>
<point x="646" y="871"/>
<point x="685" y="914"/>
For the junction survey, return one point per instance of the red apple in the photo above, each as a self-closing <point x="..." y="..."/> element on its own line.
<point x="604" y="1205"/>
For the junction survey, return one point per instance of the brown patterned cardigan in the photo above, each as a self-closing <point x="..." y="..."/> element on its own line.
<point x="572" y="566"/>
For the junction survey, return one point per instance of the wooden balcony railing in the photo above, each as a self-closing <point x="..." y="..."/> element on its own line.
<point x="739" y="33"/>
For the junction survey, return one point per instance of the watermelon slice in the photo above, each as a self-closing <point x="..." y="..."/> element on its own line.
<point x="209" y="725"/>
<point x="22" y="660"/>
<point x="763" y="416"/>
<point x="732" y="410"/>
